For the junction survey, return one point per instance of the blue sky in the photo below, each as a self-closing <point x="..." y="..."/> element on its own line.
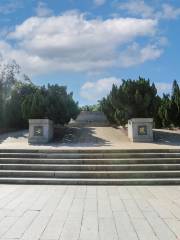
<point x="88" y="45"/>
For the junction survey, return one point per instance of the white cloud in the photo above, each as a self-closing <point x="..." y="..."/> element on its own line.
<point x="143" y="9"/>
<point x="169" y="12"/>
<point x="135" y="54"/>
<point x="99" y="2"/>
<point x="137" y="8"/>
<point x="163" y="87"/>
<point x="94" y="91"/>
<point x="10" y="7"/>
<point x="70" y="42"/>
<point x="42" y="10"/>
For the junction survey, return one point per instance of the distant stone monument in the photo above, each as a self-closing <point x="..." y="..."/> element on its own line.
<point x="40" y="131"/>
<point x="96" y="117"/>
<point x="140" y="129"/>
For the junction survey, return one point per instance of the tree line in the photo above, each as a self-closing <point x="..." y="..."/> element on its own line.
<point x="139" y="98"/>
<point x="21" y="100"/>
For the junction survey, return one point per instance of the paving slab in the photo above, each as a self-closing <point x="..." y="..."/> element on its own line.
<point x="90" y="212"/>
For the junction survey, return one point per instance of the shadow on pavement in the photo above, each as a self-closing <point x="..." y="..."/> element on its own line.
<point x="86" y="136"/>
<point x="166" y="137"/>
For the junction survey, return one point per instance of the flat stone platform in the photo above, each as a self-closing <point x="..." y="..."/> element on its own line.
<point x="84" y="138"/>
<point x="89" y="212"/>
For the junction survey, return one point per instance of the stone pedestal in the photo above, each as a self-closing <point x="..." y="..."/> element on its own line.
<point x="40" y="131"/>
<point x="140" y="129"/>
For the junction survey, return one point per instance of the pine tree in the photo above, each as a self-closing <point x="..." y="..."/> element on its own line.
<point x="132" y="99"/>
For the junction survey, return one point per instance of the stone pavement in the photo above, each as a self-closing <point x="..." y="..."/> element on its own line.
<point x="84" y="137"/>
<point x="89" y="212"/>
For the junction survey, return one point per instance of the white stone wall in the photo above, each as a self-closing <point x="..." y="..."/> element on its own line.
<point x="86" y="116"/>
<point x="46" y="125"/>
<point x="134" y="126"/>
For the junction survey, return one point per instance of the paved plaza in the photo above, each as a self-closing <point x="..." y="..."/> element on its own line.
<point x="47" y="212"/>
<point x="89" y="212"/>
<point x="84" y="137"/>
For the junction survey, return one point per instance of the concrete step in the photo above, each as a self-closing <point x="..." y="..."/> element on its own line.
<point x="90" y="174"/>
<point x="91" y="167"/>
<point x="92" y="150"/>
<point x="90" y="155"/>
<point x="90" y="161"/>
<point x="79" y="181"/>
<point x="101" y="167"/>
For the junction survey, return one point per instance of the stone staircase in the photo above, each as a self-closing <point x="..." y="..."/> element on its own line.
<point x="90" y="167"/>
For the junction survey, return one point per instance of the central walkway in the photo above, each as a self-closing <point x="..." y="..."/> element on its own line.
<point x="83" y="137"/>
<point x="89" y="213"/>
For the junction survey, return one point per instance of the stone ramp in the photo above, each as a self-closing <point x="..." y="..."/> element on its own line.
<point x="94" y="136"/>
<point x="90" y="167"/>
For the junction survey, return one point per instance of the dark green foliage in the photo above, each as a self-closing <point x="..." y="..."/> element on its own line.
<point x="108" y="109"/>
<point x="52" y="102"/>
<point x="164" y="111"/>
<point x="132" y="99"/>
<point x="175" y="105"/>
<point x="38" y="105"/>
<point x="169" y="110"/>
<point x="60" y="106"/>
<point x="21" y="100"/>
<point x="13" y="109"/>
<point x="139" y="99"/>
<point x="10" y="109"/>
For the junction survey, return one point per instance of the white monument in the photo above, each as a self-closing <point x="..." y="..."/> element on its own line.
<point x="140" y="129"/>
<point x="40" y="131"/>
<point x="91" y="117"/>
